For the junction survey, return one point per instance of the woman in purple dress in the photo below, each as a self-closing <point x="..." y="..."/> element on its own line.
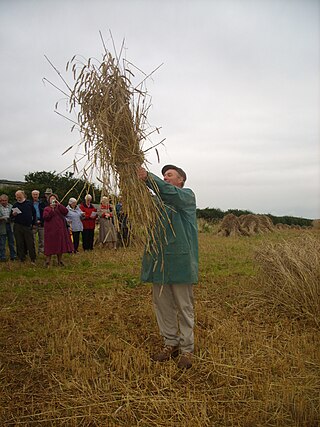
<point x="57" y="239"/>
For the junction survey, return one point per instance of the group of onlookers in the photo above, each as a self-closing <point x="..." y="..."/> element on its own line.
<point x="84" y="218"/>
<point x="55" y="228"/>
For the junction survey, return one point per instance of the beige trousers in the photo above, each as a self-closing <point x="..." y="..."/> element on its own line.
<point x="173" y="305"/>
<point x="40" y="231"/>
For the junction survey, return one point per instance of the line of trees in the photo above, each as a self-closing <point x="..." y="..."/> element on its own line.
<point x="215" y="214"/>
<point x="65" y="185"/>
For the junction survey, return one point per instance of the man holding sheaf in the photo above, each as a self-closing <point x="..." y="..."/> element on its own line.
<point x="172" y="267"/>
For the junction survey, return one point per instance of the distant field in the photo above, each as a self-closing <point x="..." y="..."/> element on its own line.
<point x="76" y="341"/>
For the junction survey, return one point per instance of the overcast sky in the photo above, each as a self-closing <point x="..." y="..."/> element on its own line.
<point x="237" y="96"/>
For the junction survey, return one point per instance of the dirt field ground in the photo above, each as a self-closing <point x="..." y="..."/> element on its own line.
<point x="75" y="345"/>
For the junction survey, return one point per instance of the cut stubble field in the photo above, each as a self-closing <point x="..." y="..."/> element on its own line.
<point x="76" y="344"/>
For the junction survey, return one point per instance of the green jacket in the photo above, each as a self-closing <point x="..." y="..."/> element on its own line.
<point x="174" y="260"/>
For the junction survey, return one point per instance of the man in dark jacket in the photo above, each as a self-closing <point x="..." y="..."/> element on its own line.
<point x="173" y="266"/>
<point x="24" y="216"/>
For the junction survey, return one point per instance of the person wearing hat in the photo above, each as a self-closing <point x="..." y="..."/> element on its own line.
<point x="74" y="217"/>
<point x="172" y="266"/>
<point x="47" y="194"/>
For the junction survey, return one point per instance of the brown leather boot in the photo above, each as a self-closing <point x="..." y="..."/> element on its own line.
<point x="185" y="361"/>
<point x="167" y="352"/>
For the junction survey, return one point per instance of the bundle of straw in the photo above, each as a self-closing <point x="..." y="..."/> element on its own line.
<point x="112" y="119"/>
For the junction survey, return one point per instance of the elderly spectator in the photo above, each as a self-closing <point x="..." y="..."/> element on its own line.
<point x="89" y="223"/>
<point x="57" y="240"/>
<point x="107" y="231"/>
<point x="38" y="229"/>
<point x="24" y="216"/>
<point x="74" y="217"/>
<point x="6" y="231"/>
<point x="47" y="194"/>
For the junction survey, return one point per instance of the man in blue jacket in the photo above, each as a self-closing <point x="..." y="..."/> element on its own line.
<point x="172" y="267"/>
<point x="38" y="229"/>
